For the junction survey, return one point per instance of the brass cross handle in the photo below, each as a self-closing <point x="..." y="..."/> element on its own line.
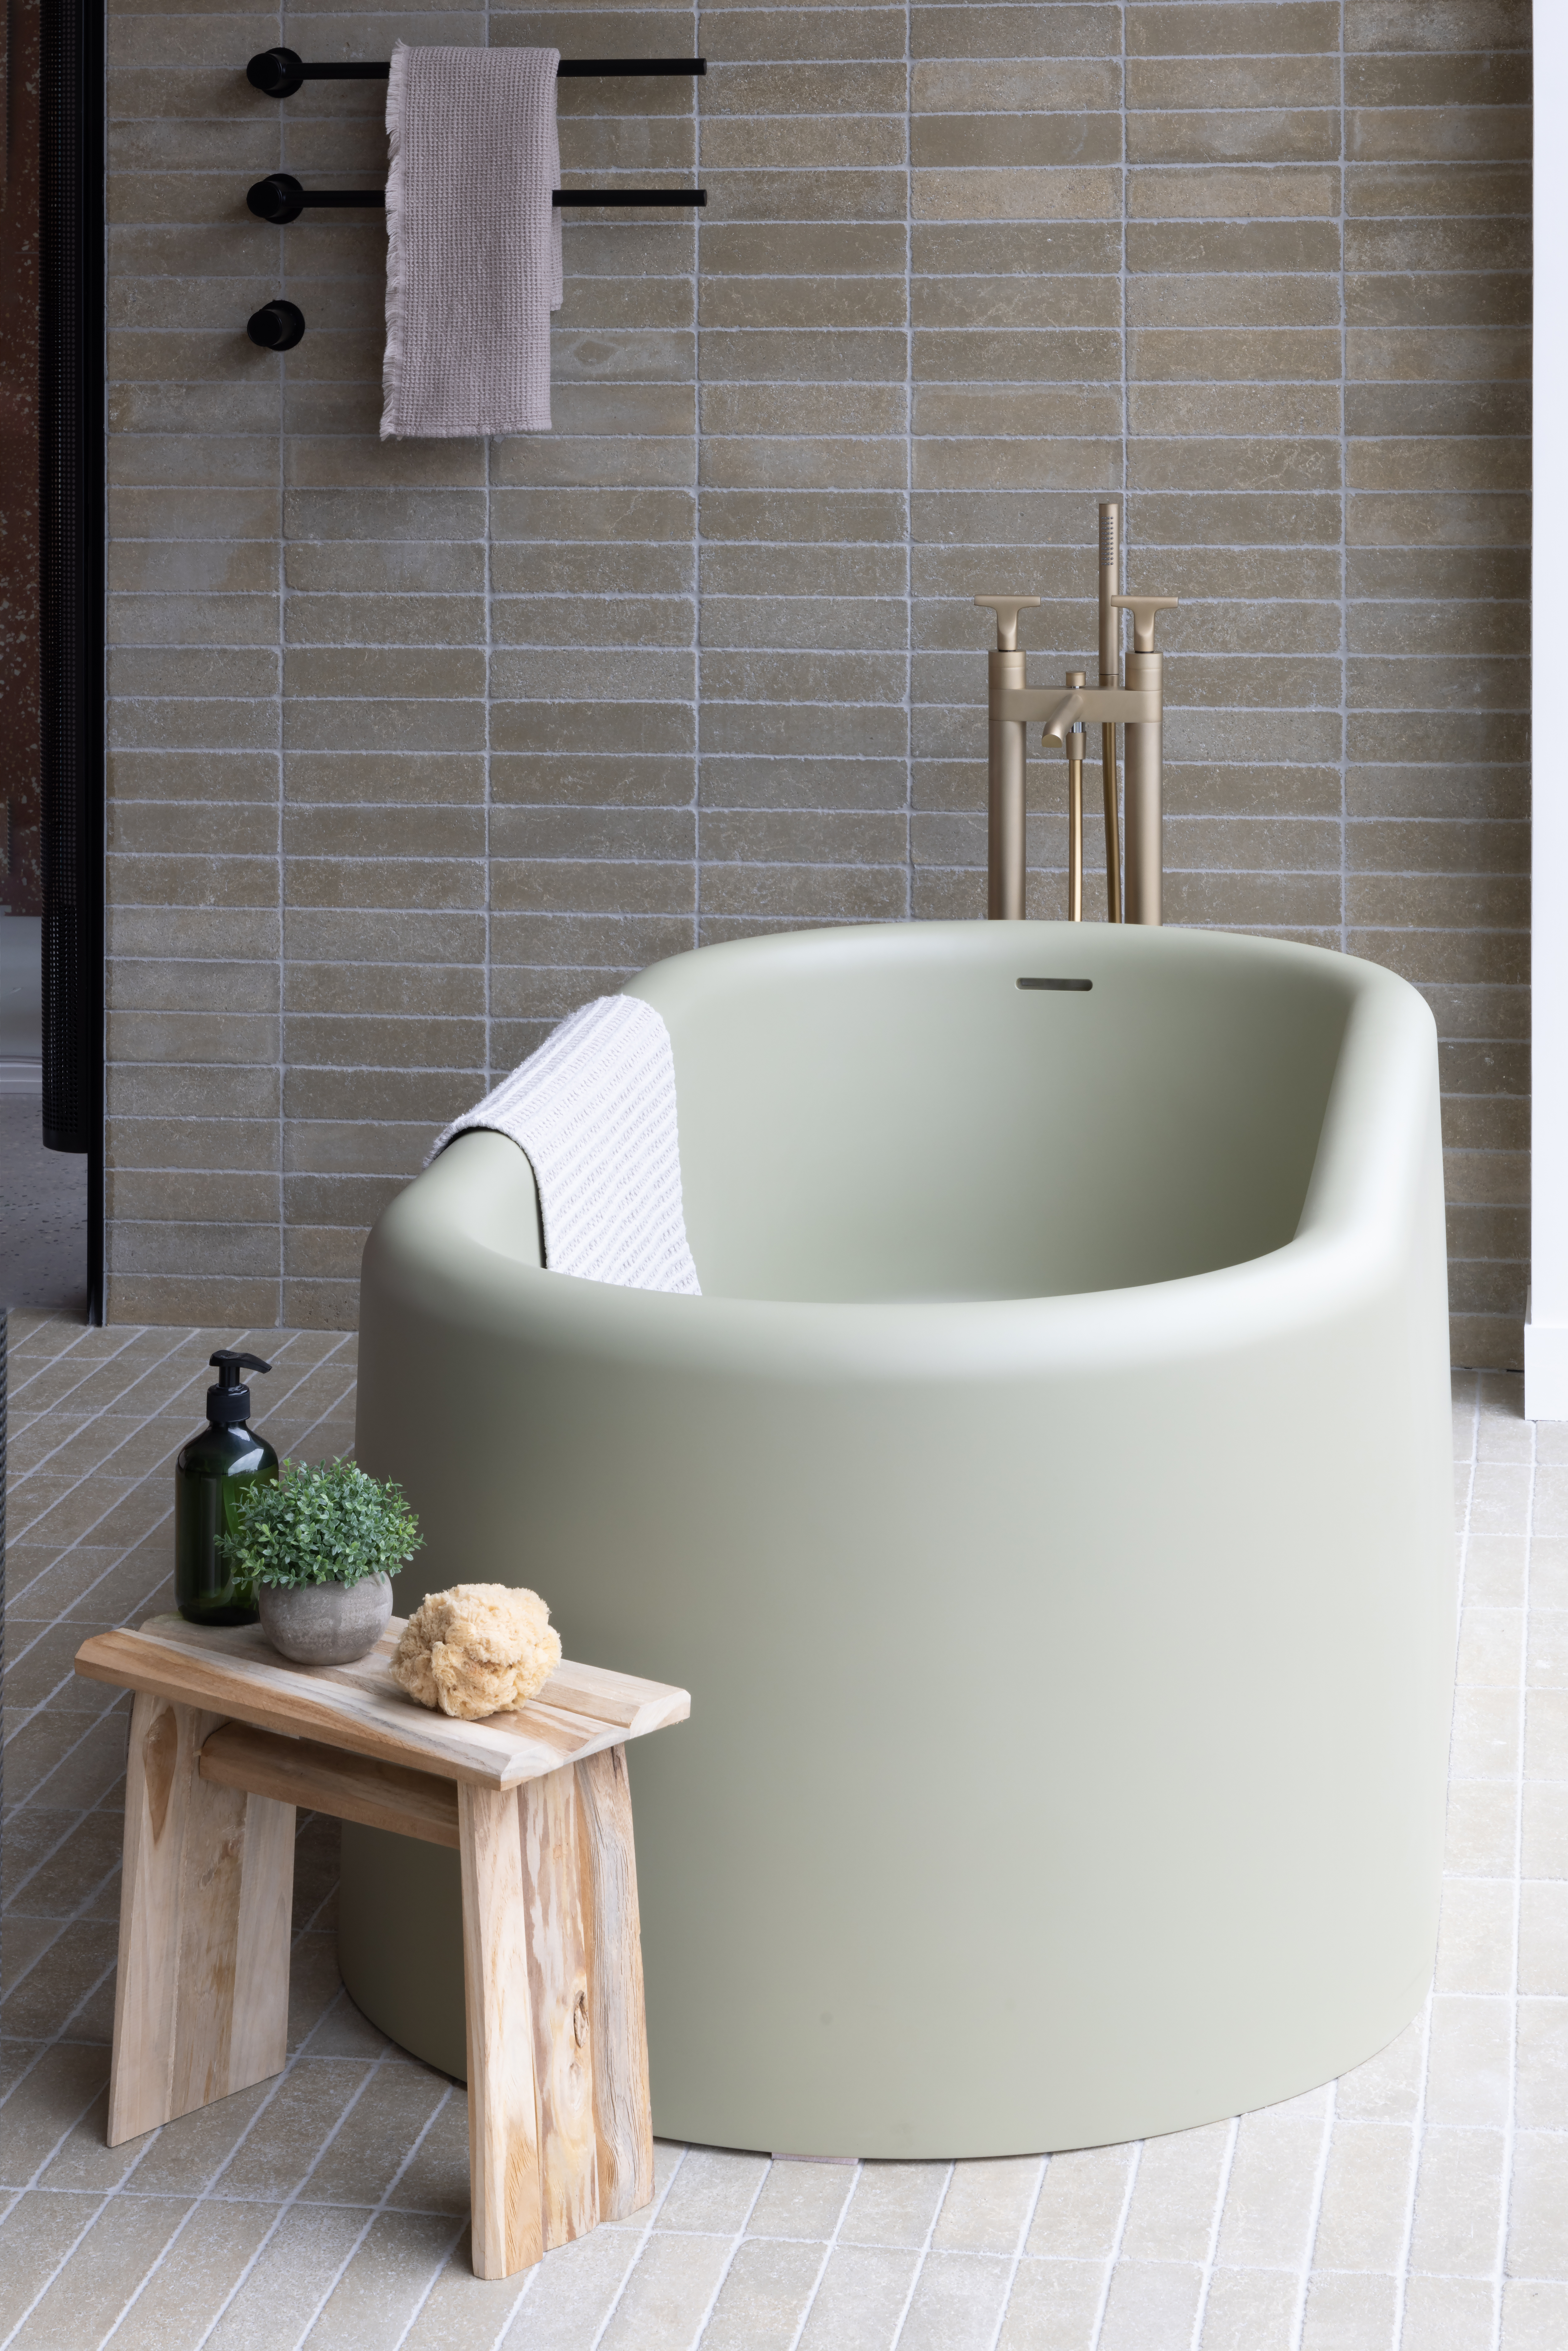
<point x="1143" y="610"/>
<point x="1007" y="609"/>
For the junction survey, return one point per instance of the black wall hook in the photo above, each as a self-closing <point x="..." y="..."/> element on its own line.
<point x="276" y="326"/>
<point x="278" y="73"/>
<point x="280" y="198"/>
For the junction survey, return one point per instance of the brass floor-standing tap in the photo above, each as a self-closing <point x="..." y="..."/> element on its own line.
<point x="1139" y="707"/>
<point x="1074" y="743"/>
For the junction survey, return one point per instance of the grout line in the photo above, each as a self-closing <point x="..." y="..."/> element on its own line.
<point x="1314" y="2213"/>
<point x="654" y="2209"/>
<point x="458" y="2226"/>
<point x="736" y="2242"/>
<point x="919" y="2270"/>
<point x="1103" y="2300"/>
<point x="1222" y="2190"/>
<point x="827" y="2251"/>
<point x="1020" y="2242"/>
<point x="289" y="2202"/>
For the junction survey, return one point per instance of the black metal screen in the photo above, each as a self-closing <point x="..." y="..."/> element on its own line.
<point x="72" y="407"/>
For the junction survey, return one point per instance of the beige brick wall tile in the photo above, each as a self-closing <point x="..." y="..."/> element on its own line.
<point x="408" y="739"/>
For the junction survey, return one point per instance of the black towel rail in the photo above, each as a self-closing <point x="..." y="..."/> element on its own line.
<point x="280" y="198"/>
<point x="278" y="73"/>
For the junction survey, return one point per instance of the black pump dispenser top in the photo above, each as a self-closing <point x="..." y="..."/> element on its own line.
<point x="229" y="1402"/>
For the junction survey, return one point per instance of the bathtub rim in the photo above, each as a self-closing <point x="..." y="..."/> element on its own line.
<point x="1377" y="1129"/>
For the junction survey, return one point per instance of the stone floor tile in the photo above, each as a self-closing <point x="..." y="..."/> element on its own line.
<point x="1551" y="1502"/>
<point x="1490" y="1642"/>
<point x="1459" y="2202"/>
<point x="1482" y="1830"/>
<point x="1348" y="2313"/>
<point x="314" y="1989"/>
<point x="341" y="2030"/>
<point x="1544" y="1843"/>
<point x="436" y="2179"/>
<point x="1534" y="2315"/>
<point x="1495" y="1568"/>
<point x="1448" y="2314"/>
<point x="714" y="2189"/>
<point x="293" y="2274"/>
<point x="82" y="2302"/>
<point x="392" y="2272"/>
<point x="1082" y="2201"/>
<point x="66" y="1764"/>
<point x="35" y="2235"/>
<point x="1387" y="2088"/>
<point x="199" y="2270"/>
<point x="987" y="2204"/>
<point x="1151" y="2304"/>
<point x="1486" y="1734"/>
<point x="1544" y="1937"/>
<point x="47" y="1998"/>
<point x="1500" y="1499"/>
<point x="44" y="2104"/>
<point x="281" y="2149"/>
<point x="1269" y="2204"/>
<point x="33" y="1831"/>
<point x="1250" y="2310"/>
<point x="1546" y="1734"/>
<point x="957" y="2303"/>
<point x="863" y="2293"/>
<point x="1475" y="1940"/>
<point x="84" y="2162"/>
<point x="462" y="2311"/>
<point x="361" y="2162"/>
<point x="1546" y="1650"/>
<point x="1538" y="2207"/>
<point x="893" y="2203"/>
<point x="1175" y="2198"/>
<point x="1541" y="2097"/>
<point x="1366" y="2196"/>
<point x="765" y="2295"/>
<point x="563" y="2302"/>
<point x="1548" y="1568"/>
<point x="801" y="2199"/>
<point x="184" y="2158"/>
<point x="41" y="1580"/>
<point x="1055" y="2306"/>
<point x="27" y="1940"/>
<point x="664" y="2301"/>
<point x="1468" y="2070"/>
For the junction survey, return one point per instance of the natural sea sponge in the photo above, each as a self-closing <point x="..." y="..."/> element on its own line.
<point x="478" y="1649"/>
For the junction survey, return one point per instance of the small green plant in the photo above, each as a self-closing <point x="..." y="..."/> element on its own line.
<point x="334" y="1524"/>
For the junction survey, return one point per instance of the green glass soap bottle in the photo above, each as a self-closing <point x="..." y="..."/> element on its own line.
<point x="210" y="1474"/>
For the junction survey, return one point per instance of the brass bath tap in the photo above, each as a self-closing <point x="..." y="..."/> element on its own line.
<point x="1064" y="714"/>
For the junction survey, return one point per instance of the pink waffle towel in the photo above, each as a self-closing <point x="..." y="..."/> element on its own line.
<point x="473" y="242"/>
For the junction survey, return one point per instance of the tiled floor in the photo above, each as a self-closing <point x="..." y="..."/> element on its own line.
<point x="1420" y="2204"/>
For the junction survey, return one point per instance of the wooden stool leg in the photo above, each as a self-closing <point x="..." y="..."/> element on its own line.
<point x="557" y="1982"/>
<point x="623" y="2118"/>
<point x="503" y="2121"/>
<point x="201" y="2002"/>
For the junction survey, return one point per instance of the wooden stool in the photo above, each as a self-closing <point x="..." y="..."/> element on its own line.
<point x="227" y="1738"/>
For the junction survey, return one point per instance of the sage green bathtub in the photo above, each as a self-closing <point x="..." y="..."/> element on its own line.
<point x="1046" y="1504"/>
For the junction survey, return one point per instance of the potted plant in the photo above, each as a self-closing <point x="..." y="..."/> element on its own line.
<point x="317" y="1550"/>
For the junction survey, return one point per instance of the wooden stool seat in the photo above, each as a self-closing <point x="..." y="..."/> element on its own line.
<point x="227" y="1739"/>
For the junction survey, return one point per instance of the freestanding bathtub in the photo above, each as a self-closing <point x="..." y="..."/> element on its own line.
<point x="1046" y="1504"/>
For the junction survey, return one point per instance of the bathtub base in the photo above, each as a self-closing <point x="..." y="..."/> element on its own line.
<point x="1071" y="1671"/>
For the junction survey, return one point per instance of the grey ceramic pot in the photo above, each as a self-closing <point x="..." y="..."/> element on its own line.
<point x="326" y="1624"/>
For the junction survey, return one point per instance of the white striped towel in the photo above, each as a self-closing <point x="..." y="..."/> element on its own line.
<point x="594" y="1111"/>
